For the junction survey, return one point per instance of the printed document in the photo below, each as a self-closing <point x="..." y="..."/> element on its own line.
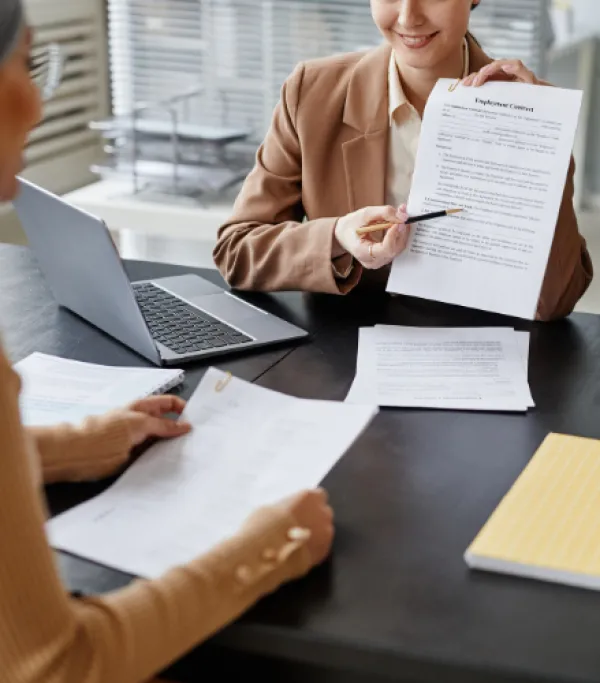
<point x="249" y="447"/>
<point x="447" y="368"/>
<point x="61" y="390"/>
<point x="501" y="153"/>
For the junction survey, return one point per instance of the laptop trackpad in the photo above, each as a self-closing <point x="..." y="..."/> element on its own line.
<point x="227" y="307"/>
<point x="188" y="286"/>
<point x="210" y="298"/>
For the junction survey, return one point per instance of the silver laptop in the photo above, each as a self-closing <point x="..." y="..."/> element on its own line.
<point x="169" y="321"/>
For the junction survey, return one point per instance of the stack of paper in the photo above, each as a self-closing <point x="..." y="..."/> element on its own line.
<point x="547" y="527"/>
<point x="249" y="447"/>
<point x="61" y="390"/>
<point x="450" y="368"/>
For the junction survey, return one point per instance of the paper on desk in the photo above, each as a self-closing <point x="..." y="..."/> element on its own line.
<point x="520" y="338"/>
<point x="451" y="368"/>
<point x="59" y="390"/>
<point x="250" y="447"/>
<point x="360" y="386"/>
<point x="501" y="153"/>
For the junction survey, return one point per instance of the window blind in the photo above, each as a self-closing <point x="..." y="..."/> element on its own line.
<point x="515" y="29"/>
<point x="240" y="51"/>
<point x="64" y="137"/>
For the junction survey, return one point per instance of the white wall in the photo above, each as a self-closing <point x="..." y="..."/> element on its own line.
<point x="582" y="20"/>
<point x="586" y="17"/>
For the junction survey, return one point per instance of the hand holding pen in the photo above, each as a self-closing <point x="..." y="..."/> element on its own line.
<point x="372" y="251"/>
<point x="377" y="227"/>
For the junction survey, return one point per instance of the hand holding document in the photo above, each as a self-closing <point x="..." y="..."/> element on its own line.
<point x="447" y="368"/>
<point x="249" y="447"/>
<point x="501" y="153"/>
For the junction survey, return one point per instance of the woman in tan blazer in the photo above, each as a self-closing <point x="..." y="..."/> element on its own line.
<point x="132" y="634"/>
<point x="340" y="153"/>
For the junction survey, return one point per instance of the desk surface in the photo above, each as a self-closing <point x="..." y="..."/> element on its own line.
<point x="397" y="599"/>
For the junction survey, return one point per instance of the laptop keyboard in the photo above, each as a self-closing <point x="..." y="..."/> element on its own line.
<point x="181" y="327"/>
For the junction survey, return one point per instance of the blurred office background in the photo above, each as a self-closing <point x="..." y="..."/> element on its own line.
<point x="164" y="102"/>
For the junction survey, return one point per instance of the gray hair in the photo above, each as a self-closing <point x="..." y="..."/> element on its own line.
<point x="11" y="22"/>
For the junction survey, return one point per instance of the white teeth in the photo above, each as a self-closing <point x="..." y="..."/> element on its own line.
<point x="421" y="40"/>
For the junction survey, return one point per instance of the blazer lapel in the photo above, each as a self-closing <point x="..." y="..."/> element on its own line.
<point x="367" y="128"/>
<point x="365" y="161"/>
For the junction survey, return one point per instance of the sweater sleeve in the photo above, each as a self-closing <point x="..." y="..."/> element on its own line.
<point x="94" y="450"/>
<point x="132" y="634"/>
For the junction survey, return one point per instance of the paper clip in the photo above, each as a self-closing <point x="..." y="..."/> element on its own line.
<point x="452" y="87"/>
<point x="222" y="383"/>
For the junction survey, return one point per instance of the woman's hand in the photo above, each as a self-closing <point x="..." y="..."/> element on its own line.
<point x="378" y="249"/>
<point x="503" y="70"/>
<point x="148" y="419"/>
<point x="145" y="419"/>
<point x="310" y="511"/>
<point x="102" y="445"/>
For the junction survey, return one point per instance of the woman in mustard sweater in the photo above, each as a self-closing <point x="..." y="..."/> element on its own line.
<point x="130" y="635"/>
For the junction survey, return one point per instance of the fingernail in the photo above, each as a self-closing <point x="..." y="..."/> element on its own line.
<point x="508" y="68"/>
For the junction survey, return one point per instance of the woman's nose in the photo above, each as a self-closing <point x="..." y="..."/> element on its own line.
<point x="410" y="14"/>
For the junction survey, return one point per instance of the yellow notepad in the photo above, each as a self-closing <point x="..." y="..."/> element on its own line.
<point x="548" y="525"/>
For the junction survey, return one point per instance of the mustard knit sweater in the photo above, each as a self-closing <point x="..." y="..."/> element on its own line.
<point x="132" y="634"/>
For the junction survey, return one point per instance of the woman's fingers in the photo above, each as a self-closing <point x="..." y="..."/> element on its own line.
<point x="375" y="253"/>
<point x="394" y="243"/>
<point x="159" y="405"/>
<point x="468" y="81"/>
<point x="379" y="214"/>
<point x="502" y="69"/>
<point x="165" y="428"/>
<point x="519" y="71"/>
<point x="365" y="252"/>
<point x="376" y="249"/>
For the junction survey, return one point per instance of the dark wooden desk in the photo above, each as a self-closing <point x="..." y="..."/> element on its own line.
<point x="397" y="601"/>
<point x="409" y="498"/>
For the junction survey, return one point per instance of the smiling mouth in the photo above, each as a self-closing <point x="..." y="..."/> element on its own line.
<point x="416" y="42"/>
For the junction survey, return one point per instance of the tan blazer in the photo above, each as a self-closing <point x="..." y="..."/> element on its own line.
<point x="324" y="156"/>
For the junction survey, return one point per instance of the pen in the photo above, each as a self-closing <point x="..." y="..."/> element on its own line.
<point x="376" y="227"/>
